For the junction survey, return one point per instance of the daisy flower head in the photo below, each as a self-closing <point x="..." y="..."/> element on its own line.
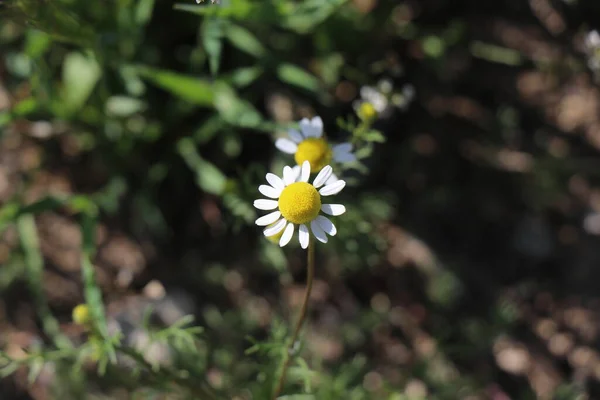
<point x="308" y="144"/>
<point x="592" y="40"/>
<point x="380" y="100"/>
<point x="592" y="46"/>
<point x="81" y="314"/>
<point x="294" y="202"/>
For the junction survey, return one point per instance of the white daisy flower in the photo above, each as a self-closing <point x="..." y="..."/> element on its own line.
<point x="295" y="202"/>
<point x="592" y="46"/>
<point x="379" y="100"/>
<point x="308" y="144"/>
<point x="592" y="40"/>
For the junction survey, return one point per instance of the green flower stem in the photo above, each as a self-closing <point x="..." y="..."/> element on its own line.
<point x="290" y="350"/>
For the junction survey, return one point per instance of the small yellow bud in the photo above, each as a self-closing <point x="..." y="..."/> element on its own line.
<point x="366" y="111"/>
<point x="81" y="314"/>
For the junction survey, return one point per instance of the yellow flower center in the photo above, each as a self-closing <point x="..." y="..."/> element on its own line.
<point x="367" y="111"/>
<point x="81" y="314"/>
<point x="314" y="150"/>
<point x="300" y="203"/>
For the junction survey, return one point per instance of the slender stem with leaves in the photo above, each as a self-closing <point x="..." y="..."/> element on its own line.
<point x="291" y="347"/>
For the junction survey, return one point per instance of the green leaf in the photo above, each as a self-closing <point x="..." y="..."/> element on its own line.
<point x="310" y="13"/>
<point x="434" y="46"/>
<point x="34" y="264"/>
<point x="208" y="177"/>
<point x="35" y="368"/>
<point x="195" y="90"/>
<point x="233" y="109"/>
<point x="143" y="12"/>
<point x="80" y="75"/>
<point x="212" y="35"/>
<point x="245" y="40"/>
<point x="123" y="106"/>
<point x="37" y="42"/>
<point x="243" y="77"/>
<point x="209" y="128"/>
<point x="296" y="76"/>
<point x="297" y="397"/>
<point x="92" y="294"/>
<point x="374" y="136"/>
<point x="239" y="9"/>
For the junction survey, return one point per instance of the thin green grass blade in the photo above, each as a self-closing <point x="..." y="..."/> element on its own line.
<point x="34" y="265"/>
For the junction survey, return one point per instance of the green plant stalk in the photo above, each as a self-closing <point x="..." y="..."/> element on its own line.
<point x="34" y="264"/>
<point x="290" y="347"/>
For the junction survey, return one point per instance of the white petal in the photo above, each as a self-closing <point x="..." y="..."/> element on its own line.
<point x="264" y="204"/>
<point x="268" y="219"/>
<point x="326" y="225"/>
<point x="317" y="126"/>
<point x="289" y="176"/>
<point x="287" y="235"/>
<point x="344" y="157"/>
<point x="286" y="145"/>
<point x="295" y="135"/>
<point x="311" y="130"/>
<point x="318" y="232"/>
<point x="333" y="209"/>
<point x="367" y="92"/>
<point x="275" y="228"/>
<point x="296" y="169"/>
<point x="303" y="236"/>
<point x="342" y="148"/>
<point x="386" y="85"/>
<point x="332" y="178"/>
<point x="275" y="181"/>
<point x="306" y="127"/>
<point x="322" y="176"/>
<point x="333" y="188"/>
<point x="304" y="172"/>
<point x="269" y="191"/>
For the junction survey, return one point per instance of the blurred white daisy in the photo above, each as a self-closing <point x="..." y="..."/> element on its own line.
<point x="308" y="144"/>
<point x="592" y="40"/>
<point x="592" y="46"/>
<point x="380" y="100"/>
<point x="295" y="202"/>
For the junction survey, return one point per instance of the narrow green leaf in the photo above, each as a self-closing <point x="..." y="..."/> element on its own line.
<point x="243" y="77"/>
<point x="239" y="9"/>
<point x="374" y="136"/>
<point x="192" y="89"/>
<point x="209" y="128"/>
<point x="297" y="76"/>
<point x="93" y="295"/>
<point x="37" y="42"/>
<point x="143" y="12"/>
<point x="34" y="265"/>
<point x="233" y="109"/>
<point x="310" y="13"/>
<point x="123" y="106"/>
<point x="245" y="40"/>
<point x="80" y="75"/>
<point x="208" y="177"/>
<point x="212" y="36"/>
<point x="35" y="368"/>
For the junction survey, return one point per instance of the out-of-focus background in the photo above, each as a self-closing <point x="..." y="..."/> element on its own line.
<point x="467" y="266"/>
